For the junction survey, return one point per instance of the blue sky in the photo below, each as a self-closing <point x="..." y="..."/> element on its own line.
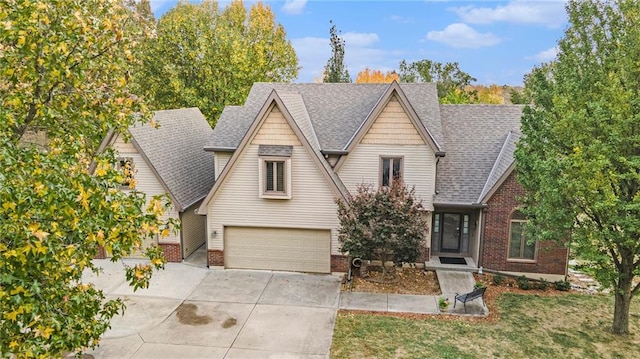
<point x="497" y="42"/>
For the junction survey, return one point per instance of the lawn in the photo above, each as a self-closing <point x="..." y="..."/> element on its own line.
<point x="527" y="326"/>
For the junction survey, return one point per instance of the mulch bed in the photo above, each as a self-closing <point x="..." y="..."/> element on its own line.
<point x="410" y="281"/>
<point x="491" y="295"/>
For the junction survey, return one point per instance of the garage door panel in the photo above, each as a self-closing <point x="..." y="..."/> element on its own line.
<point x="286" y="249"/>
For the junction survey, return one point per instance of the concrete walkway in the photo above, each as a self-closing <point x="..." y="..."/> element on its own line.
<point x="195" y="312"/>
<point x="451" y="282"/>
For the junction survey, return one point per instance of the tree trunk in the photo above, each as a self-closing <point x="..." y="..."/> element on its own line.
<point x="623" y="301"/>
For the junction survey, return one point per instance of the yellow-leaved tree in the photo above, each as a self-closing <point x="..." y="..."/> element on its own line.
<point x="64" y="72"/>
<point x="376" y="76"/>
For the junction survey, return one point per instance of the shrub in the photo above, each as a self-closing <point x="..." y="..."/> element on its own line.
<point x="478" y="285"/>
<point x="562" y="285"/>
<point x="498" y="279"/>
<point x="523" y="282"/>
<point x="543" y="284"/>
<point x="443" y="303"/>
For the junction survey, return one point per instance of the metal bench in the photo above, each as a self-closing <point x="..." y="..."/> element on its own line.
<point x="467" y="297"/>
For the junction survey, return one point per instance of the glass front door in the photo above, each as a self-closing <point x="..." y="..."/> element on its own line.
<point x="450" y="239"/>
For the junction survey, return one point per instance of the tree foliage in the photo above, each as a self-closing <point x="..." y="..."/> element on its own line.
<point x="335" y="69"/>
<point x="578" y="158"/>
<point x="387" y="225"/>
<point x="451" y="81"/>
<point x="208" y="57"/>
<point x="376" y="76"/>
<point x="64" y="71"/>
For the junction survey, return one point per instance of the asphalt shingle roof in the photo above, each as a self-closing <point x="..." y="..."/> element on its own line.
<point x="175" y="151"/>
<point x="336" y="111"/>
<point x="329" y="115"/>
<point x="474" y="135"/>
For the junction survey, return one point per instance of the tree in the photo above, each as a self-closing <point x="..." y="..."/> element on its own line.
<point x="335" y="70"/>
<point x="376" y="76"/>
<point x="208" y="57"/>
<point x="492" y="94"/>
<point x="578" y="158"/>
<point x="64" y="67"/>
<point x="448" y="77"/>
<point x="387" y="225"/>
<point x="519" y="96"/>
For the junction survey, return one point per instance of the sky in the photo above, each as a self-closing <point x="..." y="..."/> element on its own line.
<point x="497" y="42"/>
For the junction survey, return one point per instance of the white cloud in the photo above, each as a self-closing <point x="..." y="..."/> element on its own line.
<point x="313" y="53"/>
<point x="463" y="36"/>
<point x="548" y="13"/>
<point x="359" y="39"/>
<point x="546" y="55"/>
<point x="294" y="7"/>
<point x="401" y="19"/>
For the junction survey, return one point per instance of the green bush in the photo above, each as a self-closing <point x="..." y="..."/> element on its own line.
<point x="523" y="282"/>
<point x="498" y="279"/>
<point x="562" y="285"/>
<point x="543" y="284"/>
<point x="478" y="285"/>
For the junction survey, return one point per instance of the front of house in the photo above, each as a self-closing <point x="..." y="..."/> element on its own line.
<point x="283" y="159"/>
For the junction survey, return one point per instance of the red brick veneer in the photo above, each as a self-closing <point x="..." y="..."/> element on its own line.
<point x="339" y="263"/>
<point x="215" y="257"/>
<point x="172" y="251"/>
<point x="102" y="254"/>
<point x="551" y="257"/>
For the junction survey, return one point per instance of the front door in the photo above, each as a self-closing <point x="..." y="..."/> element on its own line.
<point x="450" y="236"/>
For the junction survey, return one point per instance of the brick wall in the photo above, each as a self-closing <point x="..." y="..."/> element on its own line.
<point x="215" y="257"/>
<point x="102" y="254"/>
<point x="339" y="263"/>
<point x="172" y="252"/>
<point x="551" y="257"/>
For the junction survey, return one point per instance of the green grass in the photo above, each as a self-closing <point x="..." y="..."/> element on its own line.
<point x="530" y="326"/>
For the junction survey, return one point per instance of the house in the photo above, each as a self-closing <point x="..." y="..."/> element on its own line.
<point x="285" y="156"/>
<point x="169" y="159"/>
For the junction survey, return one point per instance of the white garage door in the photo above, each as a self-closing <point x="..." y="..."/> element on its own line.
<point x="287" y="249"/>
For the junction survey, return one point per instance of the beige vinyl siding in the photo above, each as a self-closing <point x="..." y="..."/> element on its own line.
<point x="237" y="202"/>
<point x="220" y="160"/>
<point x="146" y="182"/>
<point x="418" y="168"/>
<point x="193" y="230"/>
<point x="392" y="135"/>
<point x="393" y="127"/>
<point x="276" y="131"/>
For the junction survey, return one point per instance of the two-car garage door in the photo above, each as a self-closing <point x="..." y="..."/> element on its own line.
<point x="286" y="249"/>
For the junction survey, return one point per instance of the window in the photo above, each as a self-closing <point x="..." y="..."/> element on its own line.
<point x="274" y="171"/>
<point x="519" y="248"/>
<point x="125" y="164"/>
<point x="390" y="170"/>
<point x="274" y="177"/>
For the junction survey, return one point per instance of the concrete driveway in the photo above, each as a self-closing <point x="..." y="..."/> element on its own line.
<point x="192" y="312"/>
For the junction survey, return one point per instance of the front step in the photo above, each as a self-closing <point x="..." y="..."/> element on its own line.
<point x="434" y="264"/>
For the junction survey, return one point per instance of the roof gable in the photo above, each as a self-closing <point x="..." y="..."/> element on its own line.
<point x="476" y="136"/>
<point x="335" y="111"/>
<point x="275" y="102"/>
<point x="502" y="168"/>
<point x="173" y="152"/>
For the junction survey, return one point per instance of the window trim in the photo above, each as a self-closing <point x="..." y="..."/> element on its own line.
<point x="126" y="184"/>
<point x="262" y="180"/>
<point x="381" y="169"/>
<point x="523" y="242"/>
